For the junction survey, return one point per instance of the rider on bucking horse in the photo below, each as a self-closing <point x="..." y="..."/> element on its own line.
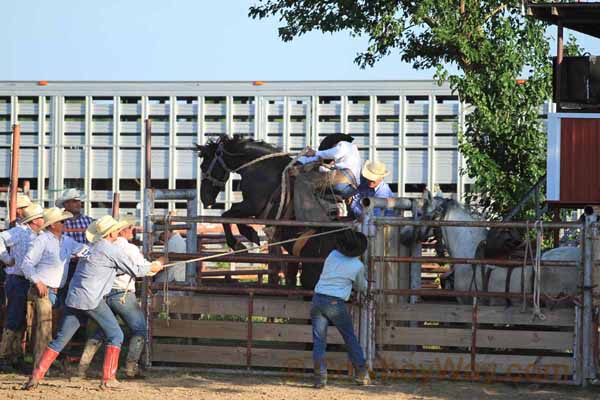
<point x="330" y="173"/>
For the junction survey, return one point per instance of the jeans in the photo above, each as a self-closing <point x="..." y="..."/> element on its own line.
<point x="326" y="309"/>
<point x="129" y="311"/>
<point x="74" y="318"/>
<point x="16" y="288"/>
<point x="43" y="307"/>
<point x="344" y="190"/>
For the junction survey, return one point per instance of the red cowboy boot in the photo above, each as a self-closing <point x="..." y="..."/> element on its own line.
<point x="109" y="370"/>
<point x="39" y="372"/>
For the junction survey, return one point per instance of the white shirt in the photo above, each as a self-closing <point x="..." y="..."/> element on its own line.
<point x="18" y="239"/>
<point x="47" y="259"/>
<point x="176" y="244"/>
<point x="124" y="281"/>
<point x="339" y="274"/>
<point x="345" y="155"/>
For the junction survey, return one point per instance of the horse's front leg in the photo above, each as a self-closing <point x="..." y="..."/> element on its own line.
<point x="238" y="210"/>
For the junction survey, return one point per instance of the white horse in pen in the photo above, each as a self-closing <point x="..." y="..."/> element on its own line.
<point x="463" y="242"/>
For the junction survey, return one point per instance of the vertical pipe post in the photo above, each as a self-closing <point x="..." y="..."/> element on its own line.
<point x="191" y="269"/>
<point x="589" y="233"/>
<point x="249" y="335"/>
<point x="200" y="266"/>
<point x="474" y="339"/>
<point x="147" y="237"/>
<point x="559" y="61"/>
<point x="415" y="271"/>
<point x="116" y="203"/>
<point x="365" y="334"/>
<point x="14" y="172"/>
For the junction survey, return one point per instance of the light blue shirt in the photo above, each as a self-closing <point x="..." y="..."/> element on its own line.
<point x="18" y="239"/>
<point x="47" y="259"/>
<point x="382" y="191"/>
<point x="95" y="274"/>
<point x="340" y="274"/>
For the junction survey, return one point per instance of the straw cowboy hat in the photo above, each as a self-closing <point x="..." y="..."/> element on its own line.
<point x="374" y="170"/>
<point x="32" y="212"/>
<point x="23" y="201"/>
<point x="55" y="214"/>
<point x="351" y="244"/>
<point x="105" y="226"/>
<point x="68" y="194"/>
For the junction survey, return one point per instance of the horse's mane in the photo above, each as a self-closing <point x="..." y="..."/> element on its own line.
<point x="244" y="144"/>
<point x="451" y="203"/>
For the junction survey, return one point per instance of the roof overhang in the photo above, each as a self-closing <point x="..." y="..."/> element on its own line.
<point x="580" y="17"/>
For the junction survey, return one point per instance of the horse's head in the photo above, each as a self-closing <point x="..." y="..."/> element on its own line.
<point x="215" y="172"/>
<point x="430" y="208"/>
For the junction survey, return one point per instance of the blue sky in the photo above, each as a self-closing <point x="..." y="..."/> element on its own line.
<point x="175" y="40"/>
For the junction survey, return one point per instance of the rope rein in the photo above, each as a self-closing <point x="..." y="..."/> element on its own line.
<point x="266" y="245"/>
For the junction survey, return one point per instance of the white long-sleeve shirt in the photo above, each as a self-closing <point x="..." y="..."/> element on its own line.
<point x="18" y="239"/>
<point x="176" y="244"/>
<point x="124" y="281"/>
<point x="344" y="154"/>
<point x="47" y="259"/>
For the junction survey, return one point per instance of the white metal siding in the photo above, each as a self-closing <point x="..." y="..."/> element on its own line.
<point x="95" y="130"/>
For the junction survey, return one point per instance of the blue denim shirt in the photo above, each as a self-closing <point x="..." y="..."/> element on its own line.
<point x="96" y="274"/>
<point x="382" y="191"/>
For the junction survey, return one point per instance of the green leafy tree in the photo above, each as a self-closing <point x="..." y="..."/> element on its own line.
<point x="482" y="48"/>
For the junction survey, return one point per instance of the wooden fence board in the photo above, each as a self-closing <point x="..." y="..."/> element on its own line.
<point x="487" y="338"/>
<point x="276" y="332"/>
<point x="430" y="362"/>
<point x="236" y="356"/>
<point x="235" y="305"/>
<point x="485" y="315"/>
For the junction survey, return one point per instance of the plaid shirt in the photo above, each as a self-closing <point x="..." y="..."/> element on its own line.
<point x="81" y="222"/>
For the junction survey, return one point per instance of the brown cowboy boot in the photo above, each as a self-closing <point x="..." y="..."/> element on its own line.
<point x="91" y="348"/>
<point x="319" y="374"/>
<point x="40" y="370"/>
<point x="136" y="346"/>
<point x="6" y="350"/>
<point x="362" y="376"/>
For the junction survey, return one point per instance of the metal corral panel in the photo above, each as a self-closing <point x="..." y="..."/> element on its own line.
<point x="93" y="132"/>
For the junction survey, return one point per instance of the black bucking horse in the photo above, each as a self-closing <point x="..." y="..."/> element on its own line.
<point x="260" y="186"/>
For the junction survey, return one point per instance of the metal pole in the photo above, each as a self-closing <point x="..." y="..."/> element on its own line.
<point x="250" y="326"/>
<point x="365" y="335"/>
<point x="14" y="172"/>
<point x="147" y="237"/>
<point x="559" y="61"/>
<point x="415" y="271"/>
<point x="589" y="234"/>
<point x="488" y="261"/>
<point x="254" y="221"/>
<point x="116" y="204"/>
<point x="395" y="221"/>
<point x="191" y="269"/>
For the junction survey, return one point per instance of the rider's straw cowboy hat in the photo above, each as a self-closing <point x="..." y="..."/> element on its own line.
<point x="374" y="170"/>
<point x="105" y="226"/>
<point x="68" y="194"/>
<point x="32" y="212"/>
<point x="55" y="214"/>
<point x="23" y="201"/>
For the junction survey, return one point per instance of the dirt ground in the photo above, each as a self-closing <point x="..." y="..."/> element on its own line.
<point x="170" y="385"/>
